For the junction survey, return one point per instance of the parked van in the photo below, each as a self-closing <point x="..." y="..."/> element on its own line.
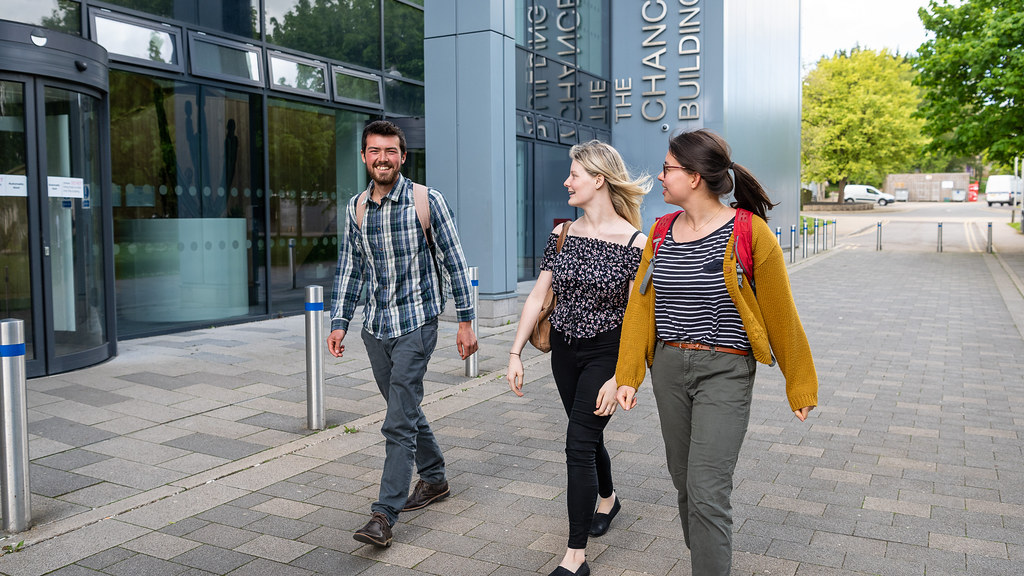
<point x="1000" y="189"/>
<point x="865" y="193"/>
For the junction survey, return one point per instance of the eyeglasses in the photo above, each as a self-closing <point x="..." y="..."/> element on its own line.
<point x="665" y="167"/>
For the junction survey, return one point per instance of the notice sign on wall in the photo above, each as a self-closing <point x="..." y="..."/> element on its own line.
<point x="59" y="187"/>
<point x="13" y="185"/>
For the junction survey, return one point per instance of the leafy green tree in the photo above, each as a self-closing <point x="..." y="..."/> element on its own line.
<point x="972" y="73"/>
<point x="858" y="118"/>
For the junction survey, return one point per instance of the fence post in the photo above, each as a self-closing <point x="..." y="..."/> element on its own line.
<point x="315" y="418"/>
<point x="17" y="497"/>
<point x="472" y="363"/>
<point x="939" y="249"/>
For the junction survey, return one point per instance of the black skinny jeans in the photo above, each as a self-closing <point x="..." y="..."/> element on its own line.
<point x="580" y="367"/>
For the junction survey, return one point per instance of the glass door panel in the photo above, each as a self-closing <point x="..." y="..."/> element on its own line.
<point x="73" y="221"/>
<point x="15" y="276"/>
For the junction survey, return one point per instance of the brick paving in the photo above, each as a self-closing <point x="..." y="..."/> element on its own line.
<point x="188" y="454"/>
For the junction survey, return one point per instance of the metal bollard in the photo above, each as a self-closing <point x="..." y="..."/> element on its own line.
<point x="805" y="239"/>
<point x="989" y="247"/>
<point x="315" y="418"/>
<point x="472" y="363"/>
<point x="824" y="235"/>
<point x="291" y="260"/>
<point x="939" y="246"/>
<point x="815" y="235"/>
<point x="17" y="497"/>
<point x="778" y="234"/>
<point x="878" y="241"/>
<point x="792" y="243"/>
<point x="833" y="232"/>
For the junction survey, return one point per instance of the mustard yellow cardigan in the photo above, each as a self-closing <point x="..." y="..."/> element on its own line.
<point x="770" y="319"/>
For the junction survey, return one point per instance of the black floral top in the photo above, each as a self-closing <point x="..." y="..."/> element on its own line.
<point x="590" y="278"/>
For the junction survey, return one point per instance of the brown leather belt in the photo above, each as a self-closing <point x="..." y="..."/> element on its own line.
<point x="698" y="346"/>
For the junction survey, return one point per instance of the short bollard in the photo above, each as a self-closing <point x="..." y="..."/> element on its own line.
<point x="315" y="419"/>
<point x="939" y="245"/>
<point x="792" y="243"/>
<point x="833" y="232"/>
<point x="878" y="240"/>
<point x="805" y="240"/>
<point x="472" y="363"/>
<point x="824" y="235"/>
<point x="815" y="235"/>
<point x="16" y="501"/>
<point x="989" y="247"/>
<point x="291" y="260"/>
<point x="778" y="234"/>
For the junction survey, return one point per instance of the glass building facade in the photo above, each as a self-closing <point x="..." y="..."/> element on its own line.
<point x="563" y="91"/>
<point x="234" y="135"/>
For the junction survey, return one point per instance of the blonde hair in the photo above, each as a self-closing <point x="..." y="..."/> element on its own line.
<point x="627" y="193"/>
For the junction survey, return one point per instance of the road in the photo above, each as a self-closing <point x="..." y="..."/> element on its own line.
<point x="914" y="226"/>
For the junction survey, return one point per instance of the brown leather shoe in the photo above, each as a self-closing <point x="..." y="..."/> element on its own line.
<point x="424" y="494"/>
<point x="377" y="531"/>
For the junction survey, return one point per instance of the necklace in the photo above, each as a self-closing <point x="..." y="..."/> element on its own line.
<point x="706" y="222"/>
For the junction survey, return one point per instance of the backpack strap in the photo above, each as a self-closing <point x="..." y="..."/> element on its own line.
<point x="743" y="228"/>
<point x="419" y="198"/>
<point x="661" y="229"/>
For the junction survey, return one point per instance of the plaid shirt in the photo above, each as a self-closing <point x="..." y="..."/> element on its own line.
<point x="389" y="253"/>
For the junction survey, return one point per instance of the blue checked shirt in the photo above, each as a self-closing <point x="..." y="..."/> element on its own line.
<point x="389" y="254"/>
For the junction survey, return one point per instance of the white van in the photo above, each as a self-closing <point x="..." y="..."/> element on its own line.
<point x="865" y="193"/>
<point x="1000" y="189"/>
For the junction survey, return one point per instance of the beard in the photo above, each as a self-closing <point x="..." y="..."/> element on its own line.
<point x="386" y="179"/>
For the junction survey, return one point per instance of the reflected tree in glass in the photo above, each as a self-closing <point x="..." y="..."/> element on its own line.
<point x="345" y="30"/>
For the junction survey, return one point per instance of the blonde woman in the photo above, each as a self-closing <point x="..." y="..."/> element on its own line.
<point x="591" y="278"/>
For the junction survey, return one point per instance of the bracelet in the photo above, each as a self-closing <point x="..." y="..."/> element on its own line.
<point x="514" y="353"/>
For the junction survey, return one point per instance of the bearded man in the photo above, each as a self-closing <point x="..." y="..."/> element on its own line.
<point x="386" y="247"/>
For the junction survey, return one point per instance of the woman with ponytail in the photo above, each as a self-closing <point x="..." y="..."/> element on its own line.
<point x="695" y="319"/>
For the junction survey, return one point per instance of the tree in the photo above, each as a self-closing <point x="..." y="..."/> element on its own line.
<point x="858" y="118"/>
<point x="972" y="73"/>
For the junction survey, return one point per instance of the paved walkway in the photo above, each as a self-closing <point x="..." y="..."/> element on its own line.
<point x="188" y="454"/>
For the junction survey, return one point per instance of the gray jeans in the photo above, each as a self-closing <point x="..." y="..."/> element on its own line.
<point x="704" y="404"/>
<point x="398" y="367"/>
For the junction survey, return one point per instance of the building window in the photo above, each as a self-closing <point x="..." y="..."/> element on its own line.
<point x="404" y="98"/>
<point x="188" y="203"/>
<point x="403" y="40"/>
<point x="238" y="17"/>
<point x="60" y="15"/>
<point x="136" y="41"/>
<point x="344" y="31"/>
<point x="299" y="75"/>
<point x="225" y="60"/>
<point x="357" y="87"/>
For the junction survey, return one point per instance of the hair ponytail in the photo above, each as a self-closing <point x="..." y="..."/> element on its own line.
<point x="707" y="154"/>
<point x="749" y="194"/>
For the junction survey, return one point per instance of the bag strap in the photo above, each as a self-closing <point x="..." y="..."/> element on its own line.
<point x="562" y="235"/>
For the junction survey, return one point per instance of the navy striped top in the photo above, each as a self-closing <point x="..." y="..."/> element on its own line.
<point x="690" y="300"/>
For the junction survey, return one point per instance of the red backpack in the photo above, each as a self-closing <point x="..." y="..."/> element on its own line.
<point x="742" y="228"/>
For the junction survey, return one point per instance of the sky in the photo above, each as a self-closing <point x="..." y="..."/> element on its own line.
<point x="830" y="25"/>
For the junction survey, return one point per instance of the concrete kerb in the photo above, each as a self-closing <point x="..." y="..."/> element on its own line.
<point x="314" y="445"/>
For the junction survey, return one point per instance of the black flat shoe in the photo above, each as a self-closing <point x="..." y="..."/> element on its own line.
<point x="602" y="521"/>
<point x="583" y="570"/>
